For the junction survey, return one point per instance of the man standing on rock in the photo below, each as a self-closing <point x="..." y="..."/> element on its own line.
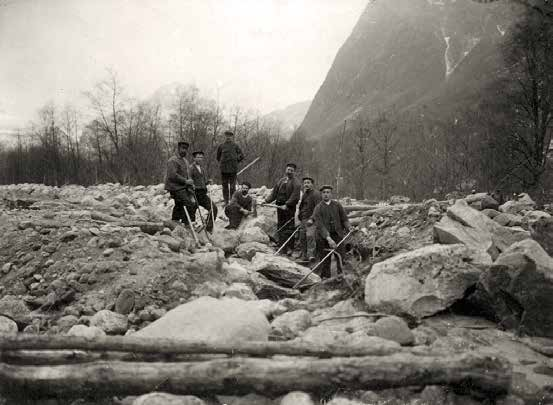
<point x="200" y="187"/>
<point x="286" y="193"/>
<point x="241" y="205"/>
<point x="179" y="184"/>
<point x="332" y="225"/>
<point x="229" y="155"/>
<point x="309" y="201"/>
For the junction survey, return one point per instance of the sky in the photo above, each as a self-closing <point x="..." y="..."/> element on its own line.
<point x="257" y="54"/>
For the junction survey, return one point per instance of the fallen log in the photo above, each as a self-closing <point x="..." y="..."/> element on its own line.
<point x="351" y="208"/>
<point x="173" y="346"/>
<point x="240" y="376"/>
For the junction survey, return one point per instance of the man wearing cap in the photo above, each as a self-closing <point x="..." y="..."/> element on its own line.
<point x="332" y="225"/>
<point x="229" y="155"/>
<point x="241" y="205"/>
<point x="309" y="201"/>
<point x="179" y="184"/>
<point x="286" y="194"/>
<point x="197" y="172"/>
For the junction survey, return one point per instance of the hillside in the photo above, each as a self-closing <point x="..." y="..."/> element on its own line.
<point x="409" y="53"/>
<point x="290" y="117"/>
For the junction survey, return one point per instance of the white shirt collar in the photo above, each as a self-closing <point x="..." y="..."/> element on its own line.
<point x="327" y="202"/>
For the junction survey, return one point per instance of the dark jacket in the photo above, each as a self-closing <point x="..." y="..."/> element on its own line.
<point x="242" y="201"/>
<point x="200" y="180"/>
<point x="308" y="203"/>
<point x="330" y="220"/>
<point x="286" y="192"/>
<point x="229" y="155"/>
<point x="177" y="173"/>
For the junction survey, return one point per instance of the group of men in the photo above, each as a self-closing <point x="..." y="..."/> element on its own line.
<point x="323" y="221"/>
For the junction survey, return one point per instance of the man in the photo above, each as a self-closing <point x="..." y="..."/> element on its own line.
<point x="200" y="186"/>
<point x="180" y="185"/>
<point x="332" y="225"/>
<point x="241" y="205"/>
<point x="229" y="155"/>
<point x="308" y="202"/>
<point x="286" y="193"/>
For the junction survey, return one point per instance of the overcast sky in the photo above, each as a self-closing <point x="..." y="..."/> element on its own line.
<point x="263" y="54"/>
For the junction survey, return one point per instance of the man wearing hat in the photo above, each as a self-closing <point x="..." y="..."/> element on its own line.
<point x="286" y="194"/>
<point x="241" y="205"/>
<point x="229" y="155"/>
<point x="309" y="201"/>
<point x="197" y="172"/>
<point x="179" y="184"/>
<point x="332" y="225"/>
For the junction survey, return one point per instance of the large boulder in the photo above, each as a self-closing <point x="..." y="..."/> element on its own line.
<point x="7" y="326"/>
<point x="15" y="308"/>
<point x="465" y="225"/>
<point x="241" y="291"/>
<point x="542" y="231"/>
<point x="90" y="332"/>
<point x="290" y="324"/>
<point x="519" y="286"/>
<point x="253" y="234"/>
<point x="206" y="318"/>
<point x="425" y="281"/>
<point x="506" y="219"/>
<point x="281" y="270"/>
<point x="226" y="239"/>
<point x="249" y="249"/>
<point x="267" y="289"/>
<point x="267" y="223"/>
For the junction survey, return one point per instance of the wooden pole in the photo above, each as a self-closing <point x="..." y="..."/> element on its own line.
<point x="239" y="376"/>
<point x="191" y="226"/>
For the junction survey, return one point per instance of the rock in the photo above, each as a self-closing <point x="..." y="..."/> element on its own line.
<point x="542" y="231"/>
<point x="254" y="234"/>
<point x="463" y="224"/>
<point x="267" y="289"/>
<point x="477" y="197"/>
<point x="395" y="329"/>
<point x="321" y="336"/>
<point x="282" y="270"/>
<point x="210" y="289"/>
<point x="425" y="281"/>
<point x="519" y="286"/>
<point x="343" y="401"/>
<point x="16" y="309"/>
<point x="290" y="324"/>
<point x="236" y="273"/>
<point x="90" y="332"/>
<point x="7" y="326"/>
<point x="297" y="398"/>
<point x="523" y="203"/>
<point x="241" y="291"/>
<point x="489" y="203"/>
<point x="173" y="243"/>
<point x="532" y="216"/>
<point x="125" y="302"/>
<point x="161" y="398"/>
<point x="249" y="249"/>
<point x="208" y="261"/>
<point x="433" y="212"/>
<point x="226" y="239"/>
<point x="267" y="223"/>
<point x="6" y="268"/>
<point x="110" y="322"/>
<point x="506" y="219"/>
<point x="250" y="399"/>
<point x="490" y="213"/>
<point x="206" y="318"/>
<point x="66" y="322"/>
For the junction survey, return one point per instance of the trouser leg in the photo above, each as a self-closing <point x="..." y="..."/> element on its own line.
<point x="285" y="220"/>
<point x="303" y="238"/>
<point x="232" y="184"/>
<point x="310" y="241"/>
<point x="234" y="215"/>
<point x="178" y="209"/>
<point x="205" y="202"/>
<point x="324" y="267"/>
<point x="226" y="189"/>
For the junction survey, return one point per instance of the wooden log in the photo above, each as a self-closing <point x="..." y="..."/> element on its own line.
<point x="240" y="376"/>
<point x="351" y="208"/>
<point x="173" y="346"/>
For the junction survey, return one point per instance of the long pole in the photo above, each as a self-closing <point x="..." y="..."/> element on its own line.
<point x="248" y="166"/>
<point x="212" y="215"/>
<point x="191" y="226"/>
<point x="326" y="257"/>
<point x="286" y="242"/>
<point x="201" y="218"/>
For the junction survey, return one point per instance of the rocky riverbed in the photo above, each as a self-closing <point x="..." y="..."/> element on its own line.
<point x="442" y="277"/>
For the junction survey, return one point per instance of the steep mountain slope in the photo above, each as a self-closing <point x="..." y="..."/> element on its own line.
<point x="408" y="53"/>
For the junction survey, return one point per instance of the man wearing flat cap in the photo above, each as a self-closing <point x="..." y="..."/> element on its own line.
<point x="309" y="201"/>
<point x="197" y="172"/>
<point x="179" y="184"/>
<point x="229" y="155"/>
<point x="332" y="225"/>
<point x="286" y="194"/>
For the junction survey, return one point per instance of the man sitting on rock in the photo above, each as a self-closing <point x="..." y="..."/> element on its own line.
<point x="241" y="205"/>
<point x="180" y="185"/>
<point x="197" y="172"/>
<point x="332" y="225"/>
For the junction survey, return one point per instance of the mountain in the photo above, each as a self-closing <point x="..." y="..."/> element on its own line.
<point x="412" y="53"/>
<point x="289" y="117"/>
